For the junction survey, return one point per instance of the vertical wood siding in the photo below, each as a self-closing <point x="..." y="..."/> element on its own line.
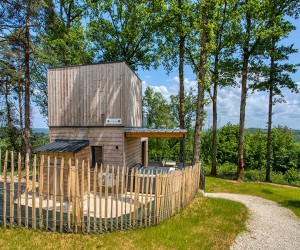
<point x="87" y="95"/>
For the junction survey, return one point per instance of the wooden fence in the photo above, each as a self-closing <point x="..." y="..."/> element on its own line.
<point x="84" y="199"/>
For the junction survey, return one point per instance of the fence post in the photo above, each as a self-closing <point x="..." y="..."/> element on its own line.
<point x="19" y="190"/>
<point x="11" y="189"/>
<point x="4" y="187"/>
<point x="26" y="190"/>
<point x="41" y="180"/>
<point x="33" y="194"/>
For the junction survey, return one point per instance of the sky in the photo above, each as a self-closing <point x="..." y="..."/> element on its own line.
<point x="284" y="114"/>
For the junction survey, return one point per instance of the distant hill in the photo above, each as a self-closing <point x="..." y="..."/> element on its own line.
<point x="41" y="130"/>
<point x="295" y="132"/>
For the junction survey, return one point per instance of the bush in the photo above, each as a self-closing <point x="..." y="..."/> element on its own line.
<point x="254" y="175"/>
<point x="292" y="175"/>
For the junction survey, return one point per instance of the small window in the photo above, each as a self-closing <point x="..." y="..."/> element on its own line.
<point x="97" y="156"/>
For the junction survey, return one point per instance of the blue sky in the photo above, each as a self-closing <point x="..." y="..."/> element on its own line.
<point x="285" y="114"/>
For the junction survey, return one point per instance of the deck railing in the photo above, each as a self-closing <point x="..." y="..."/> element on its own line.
<point x="42" y="194"/>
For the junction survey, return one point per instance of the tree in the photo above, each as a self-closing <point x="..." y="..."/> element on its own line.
<point x="176" y="24"/>
<point x="201" y="69"/>
<point x="277" y="74"/>
<point x="63" y="42"/>
<point x="223" y="66"/>
<point x="249" y="37"/>
<point x="21" y="19"/>
<point x="159" y="116"/>
<point x="125" y="31"/>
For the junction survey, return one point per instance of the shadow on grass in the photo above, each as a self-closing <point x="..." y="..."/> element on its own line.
<point x="291" y="203"/>
<point x="267" y="191"/>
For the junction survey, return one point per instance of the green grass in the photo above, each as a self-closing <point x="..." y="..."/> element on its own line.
<point x="286" y="196"/>
<point x="203" y="224"/>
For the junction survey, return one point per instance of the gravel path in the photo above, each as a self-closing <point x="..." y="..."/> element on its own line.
<point x="270" y="226"/>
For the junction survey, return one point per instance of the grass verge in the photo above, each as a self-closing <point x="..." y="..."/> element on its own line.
<point x="204" y="224"/>
<point x="286" y="196"/>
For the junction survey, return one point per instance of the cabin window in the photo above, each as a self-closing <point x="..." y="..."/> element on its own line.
<point x="97" y="155"/>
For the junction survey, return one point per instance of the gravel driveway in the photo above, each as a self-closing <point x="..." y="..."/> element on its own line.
<point x="270" y="225"/>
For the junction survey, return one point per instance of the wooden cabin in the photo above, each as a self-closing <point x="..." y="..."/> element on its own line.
<point x="99" y="106"/>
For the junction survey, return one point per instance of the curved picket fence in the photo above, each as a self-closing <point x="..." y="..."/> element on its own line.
<point x="56" y="194"/>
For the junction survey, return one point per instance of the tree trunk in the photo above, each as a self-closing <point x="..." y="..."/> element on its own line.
<point x="246" y="55"/>
<point x="240" y="167"/>
<point x="181" y="82"/>
<point x="201" y="86"/>
<point x="27" y="82"/>
<point x="213" y="171"/>
<point x="181" y="90"/>
<point x="271" y="84"/>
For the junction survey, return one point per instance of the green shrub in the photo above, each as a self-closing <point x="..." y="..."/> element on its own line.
<point x="278" y="177"/>
<point x="254" y="175"/>
<point x="292" y="175"/>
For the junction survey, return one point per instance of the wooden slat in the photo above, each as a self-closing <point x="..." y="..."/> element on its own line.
<point x="136" y="198"/>
<point x="146" y="199"/>
<point x="100" y="198"/>
<point x="122" y="195"/>
<point x="69" y="196"/>
<point x="82" y="197"/>
<point x="151" y="195"/>
<point x="61" y="194"/>
<point x="95" y="197"/>
<point x="41" y="185"/>
<point x="106" y="198"/>
<point x="5" y="187"/>
<point x="112" y="198"/>
<point x="54" y="195"/>
<point x="26" y="189"/>
<point x="88" y="197"/>
<point x="19" y="189"/>
<point x="34" y="194"/>
<point x="75" y="203"/>
<point x="48" y="191"/>
<point x="117" y="197"/>
<point x="142" y="199"/>
<point x="12" y="189"/>
<point x="130" y="199"/>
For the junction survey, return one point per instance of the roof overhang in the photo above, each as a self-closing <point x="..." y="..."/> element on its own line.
<point x="64" y="146"/>
<point x="155" y="133"/>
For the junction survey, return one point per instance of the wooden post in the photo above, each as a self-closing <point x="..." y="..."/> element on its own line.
<point x="122" y="195"/>
<point x="136" y="197"/>
<point x="48" y="192"/>
<point x="34" y="194"/>
<point x="151" y="197"/>
<point x="41" y="185"/>
<point x="19" y="189"/>
<point x="61" y="193"/>
<point x="54" y="194"/>
<point x="82" y="197"/>
<point x="88" y="197"/>
<point x="26" y="190"/>
<point x="106" y="197"/>
<point x="130" y="200"/>
<point x="117" y="197"/>
<point x="141" y="194"/>
<point x="4" y="187"/>
<point x="146" y="200"/>
<point x="112" y="198"/>
<point x="75" y="203"/>
<point x="100" y="198"/>
<point x="69" y="196"/>
<point x="12" y="187"/>
<point x="95" y="196"/>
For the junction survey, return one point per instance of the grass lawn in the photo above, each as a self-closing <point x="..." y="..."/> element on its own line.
<point x="286" y="196"/>
<point x="203" y="224"/>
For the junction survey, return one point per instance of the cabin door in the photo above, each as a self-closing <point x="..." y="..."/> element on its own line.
<point x="97" y="155"/>
<point x="144" y="153"/>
